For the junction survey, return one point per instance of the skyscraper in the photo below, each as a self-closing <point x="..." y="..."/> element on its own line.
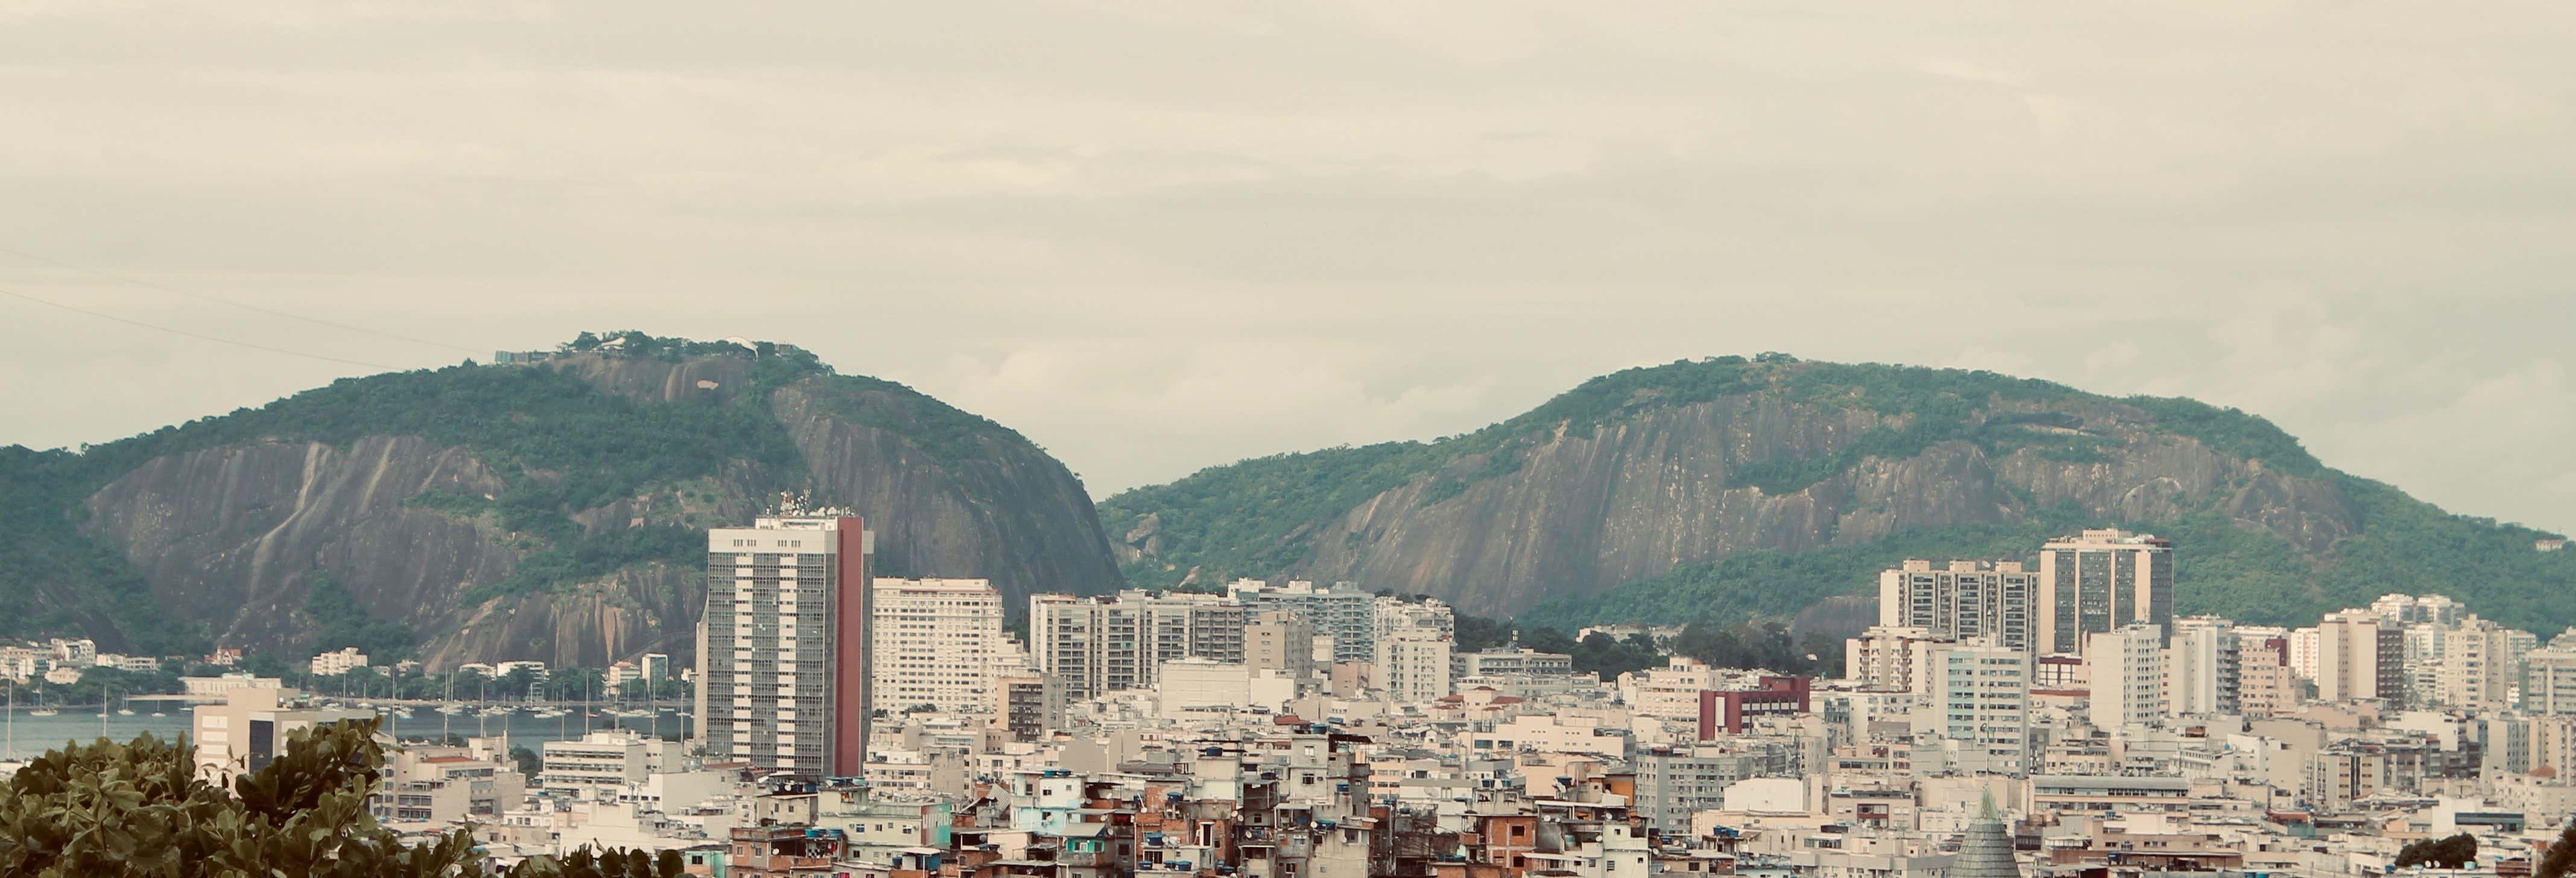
<point x="783" y="651"/>
<point x="2099" y="581"/>
<point x="936" y="642"/>
<point x="1965" y="599"/>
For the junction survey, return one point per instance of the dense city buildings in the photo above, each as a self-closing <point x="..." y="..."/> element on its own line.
<point x="783" y="650"/>
<point x="1189" y="735"/>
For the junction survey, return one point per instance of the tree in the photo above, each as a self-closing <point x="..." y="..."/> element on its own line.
<point x="2561" y="857"/>
<point x="527" y="761"/>
<point x="142" y="809"/>
<point x="2448" y="853"/>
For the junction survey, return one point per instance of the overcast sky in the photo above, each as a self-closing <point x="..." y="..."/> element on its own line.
<point x="1160" y="236"/>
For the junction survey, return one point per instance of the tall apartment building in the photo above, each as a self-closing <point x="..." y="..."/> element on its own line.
<point x="2265" y="685"/>
<point x="1961" y="600"/>
<point x="2100" y="581"/>
<point x="2128" y="676"/>
<point x="1413" y="665"/>
<point x="2203" y="667"/>
<point x="2303" y="652"/>
<point x="2360" y="656"/>
<point x="2549" y="682"/>
<point x="1890" y="658"/>
<point x="936" y="641"/>
<point x="784" y="647"/>
<point x="2471" y="663"/>
<point x="1341" y="611"/>
<point x="1281" y="641"/>
<point x="1980" y="706"/>
<point x="1105" y="644"/>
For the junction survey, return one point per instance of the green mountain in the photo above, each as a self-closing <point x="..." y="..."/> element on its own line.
<point x="486" y="512"/>
<point x="1729" y="488"/>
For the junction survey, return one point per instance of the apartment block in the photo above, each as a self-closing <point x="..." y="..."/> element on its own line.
<point x="2099" y="581"/>
<point x="936" y="640"/>
<point x="1961" y="599"/>
<point x="1980" y="706"/>
<point x="1107" y="644"/>
<point x="2128" y="676"/>
<point x="784" y="648"/>
<point x="2203" y="667"/>
<point x="1341" y="611"/>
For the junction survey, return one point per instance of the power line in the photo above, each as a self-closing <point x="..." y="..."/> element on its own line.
<point x="219" y="340"/>
<point x="124" y="278"/>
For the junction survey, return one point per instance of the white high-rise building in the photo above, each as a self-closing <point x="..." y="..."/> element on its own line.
<point x="936" y="642"/>
<point x="2303" y="653"/>
<point x="1888" y="658"/>
<point x="1391" y="616"/>
<point x="1106" y="644"/>
<point x="2549" y="680"/>
<point x="1980" y="705"/>
<point x="783" y="650"/>
<point x="2202" y="667"/>
<point x="1962" y="600"/>
<point x="1342" y="612"/>
<point x="1413" y="665"/>
<point x="2128" y="676"/>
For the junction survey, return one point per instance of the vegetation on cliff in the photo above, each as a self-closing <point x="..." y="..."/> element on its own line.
<point x="559" y="443"/>
<point x="1264" y="517"/>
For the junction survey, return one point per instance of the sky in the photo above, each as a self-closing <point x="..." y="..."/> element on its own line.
<point x="1156" y="237"/>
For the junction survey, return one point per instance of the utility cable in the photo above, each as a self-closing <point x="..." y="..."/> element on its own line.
<point x="195" y="335"/>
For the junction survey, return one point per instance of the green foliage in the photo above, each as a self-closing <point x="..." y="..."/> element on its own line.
<point x="142" y="809"/>
<point x="1261" y="517"/>
<point x="1767" y="645"/>
<point x="54" y="579"/>
<point x="2561" y="858"/>
<point x="340" y="621"/>
<point x="1258" y="517"/>
<point x="2231" y="432"/>
<point x="1251" y="518"/>
<point x="1476" y="633"/>
<point x="2446" y="853"/>
<point x="948" y="434"/>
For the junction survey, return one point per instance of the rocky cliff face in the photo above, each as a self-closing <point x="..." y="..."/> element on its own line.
<point x="232" y="535"/>
<point x="1591" y="506"/>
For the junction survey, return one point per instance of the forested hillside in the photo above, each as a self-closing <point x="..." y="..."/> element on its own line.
<point x="1729" y="488"/>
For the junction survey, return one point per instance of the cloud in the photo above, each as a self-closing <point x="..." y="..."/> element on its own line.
<point x="1159" y="237"/>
